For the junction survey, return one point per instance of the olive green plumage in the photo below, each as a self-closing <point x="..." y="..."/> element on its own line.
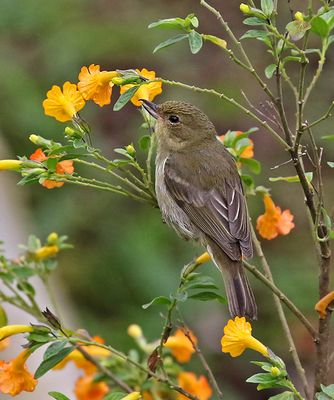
<point x="200" y="194"/>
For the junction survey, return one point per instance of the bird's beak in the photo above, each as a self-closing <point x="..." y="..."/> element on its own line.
<point x="150" y="107"/>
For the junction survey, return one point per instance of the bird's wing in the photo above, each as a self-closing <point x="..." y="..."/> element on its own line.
<point x="217" y="208"/>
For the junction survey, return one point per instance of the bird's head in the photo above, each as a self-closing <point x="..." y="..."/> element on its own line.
<point x="180" y="125"/>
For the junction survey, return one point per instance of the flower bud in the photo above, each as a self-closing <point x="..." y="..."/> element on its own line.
<point x="10" y="165"/>
<point x="130" y="150"/>
<point x="299" y="16"/>
<point x="46" y="252"/>
<point x="52" y="238"/>
<point x="10" y="330"/>
<point x="275" y="371"/>
<point x="135" y="331"/>
<point x="216" y="40"/>
<point x="203" y="258"/>
<point x="70" y="131"/>
<point x="40" y="141"/>
<point x="245" y="8"/>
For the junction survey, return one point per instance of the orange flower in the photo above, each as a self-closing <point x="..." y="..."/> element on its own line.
<point x="15" y="377"/>
<point x="62" y="168"/>
<point x="147" y="91"/>
<point x="4" y="344"/>
<point x="198" y="387"/>
<point x="274" y="222"/>
<point x="96" y="85"/>
<point x="80" y="361"/>
<point x="87" y="389"/>
<point x="181" y="346"/>
<point x="63" y="105"/>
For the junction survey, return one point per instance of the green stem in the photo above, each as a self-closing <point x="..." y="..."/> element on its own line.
<point x="316" y="76"/>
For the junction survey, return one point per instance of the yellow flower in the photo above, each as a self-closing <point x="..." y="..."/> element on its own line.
<point x="15" y="377"/>
<point x="275" y="371"/>
<point x="198" y="387"/>
<point x="147" y="91"/>
<point x="63" y="105"/>
<point x="46" y="252"/>
<point x="323" y="303"/>
<point x="96" y="85"/>
<point x="87" y="389"/>
<point x="238" y="337"/>
<point x="10" y="330"/>
<point x="203" y="258"/>
<point x="181" y="346"/>
<point x="10" y="165"/>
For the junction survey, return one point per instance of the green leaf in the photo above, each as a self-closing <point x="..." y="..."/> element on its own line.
<point x="283" y="396"/>
<point x="39" y="337"/>
<point x="292" y="179"/>
<point x="207" y="296"/>
<point x="254" y="21"/>
<point x="297" y="29"/>
<point x="157" y="300"/>
<point x="248" y="181"/>
<point x="58" y="396"/>
<point x="115" y="396"/>
<point x="169" y="23"/>
<point x="330" y="40"/>
<point x="144" y="142"/>
<point x="193" y="20"/>
<point x="262" y="378"/>
<point x="195" y="42"/>
<point x="322" y="396"/>
<point x="3" y="317"/>
<point x="27" y="288"/>
<point x="328" y="137"/>
<point x="253" y="165"/>
<point x="51" y="362"/>
<point x="319" y="26"/>
<point x="125" y="98"/>
<point x="267" y="7"/>
<point x="329" y="390"/>
<point x="269" y="71"/>
<point x="171" y="41"/>
<point x="53" y="349"/>
<point x="255" y="34"/>
<point x="330" y="164"/>
<point x="51" y="164"/>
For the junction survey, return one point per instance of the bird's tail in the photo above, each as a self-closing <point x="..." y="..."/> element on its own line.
<point x="241" y="300"/>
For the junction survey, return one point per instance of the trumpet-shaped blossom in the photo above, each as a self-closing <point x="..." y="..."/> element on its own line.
<point x="238" y="337"/>
<point x="274" y="222"/>
<point x="15" y="377"/>
<point x="63" y="104"/>
<point x="181" y="346"/>
<point x="96" y="85"/>
<point x="198" y="387"/>
<point x="87" y="389"/>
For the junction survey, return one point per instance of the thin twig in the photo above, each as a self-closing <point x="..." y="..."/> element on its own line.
<point x="205" y="364"/>
<point x="265" y="124"/>
<point x="299" y="368"/>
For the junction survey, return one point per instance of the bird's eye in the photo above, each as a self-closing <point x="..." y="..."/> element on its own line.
<point x="174" y="119"/>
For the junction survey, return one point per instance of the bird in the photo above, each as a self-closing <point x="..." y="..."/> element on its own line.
<point x="200" y="194"/>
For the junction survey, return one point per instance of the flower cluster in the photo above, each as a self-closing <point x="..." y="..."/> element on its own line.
<point x="96" y="85"/>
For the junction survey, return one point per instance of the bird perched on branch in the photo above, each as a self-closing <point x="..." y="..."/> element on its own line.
<point x="200" y="194"/>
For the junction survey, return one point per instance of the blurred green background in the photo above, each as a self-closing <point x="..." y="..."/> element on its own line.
<point x="124" y="255"/>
